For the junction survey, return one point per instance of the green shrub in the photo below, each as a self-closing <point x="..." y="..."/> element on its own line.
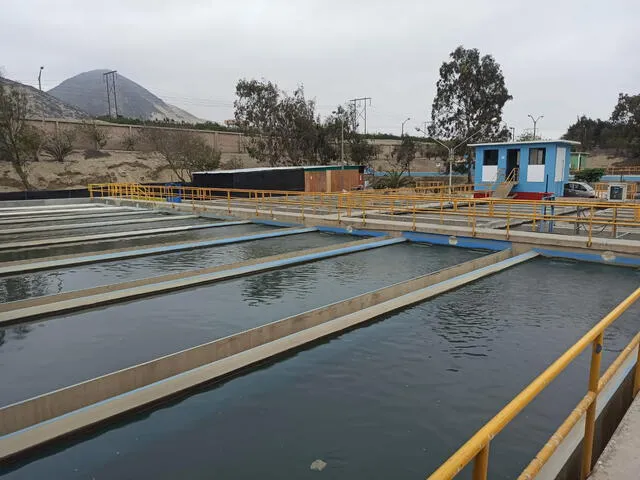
<point x="589" y="175"/>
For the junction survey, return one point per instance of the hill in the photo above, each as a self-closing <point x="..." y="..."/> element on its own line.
<point x="87" y="91"/>
<point x="41" y="104"/>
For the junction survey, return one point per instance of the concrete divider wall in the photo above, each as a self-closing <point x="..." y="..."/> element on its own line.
<point x="39" y="409"/>
<point x="38" y="307"/>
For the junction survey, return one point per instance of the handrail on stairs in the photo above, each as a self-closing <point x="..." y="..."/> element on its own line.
<point x="513" y="176"/>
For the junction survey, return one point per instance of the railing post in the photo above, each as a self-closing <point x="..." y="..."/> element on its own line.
<point x="481" y="464"/>
<point x="590" y="419"/>
<point x="589" y="241"/>
<point x="636" y="377"/>
<point x="413" y="226"/>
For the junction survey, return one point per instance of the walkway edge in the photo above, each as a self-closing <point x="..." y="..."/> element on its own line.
<point x="48" y="430"/>
<point x="34" y="266"/>
<point x="75" y="226"/>
<point x="106" y="236"/>
<point x="113" y="294"/>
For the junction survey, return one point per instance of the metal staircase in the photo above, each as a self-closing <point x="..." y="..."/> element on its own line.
<point x="503" y="188"/>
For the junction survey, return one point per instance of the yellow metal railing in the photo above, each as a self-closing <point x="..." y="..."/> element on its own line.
<point x="512" y="177"/>
<point x="632" y="170"/>
<point x="586" y="217"/>
<point x="476" y="449"/>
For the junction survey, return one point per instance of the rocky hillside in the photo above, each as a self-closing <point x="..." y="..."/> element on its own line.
<point x="87" y="91"/>
<point x="41" y="104"/>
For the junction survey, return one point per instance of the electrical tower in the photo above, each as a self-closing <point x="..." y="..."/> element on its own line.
<point x="110" y="80"/>
<point x="360" y="109"/>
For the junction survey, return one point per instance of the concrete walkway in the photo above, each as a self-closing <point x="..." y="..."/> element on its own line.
<point x="621" y="457"/>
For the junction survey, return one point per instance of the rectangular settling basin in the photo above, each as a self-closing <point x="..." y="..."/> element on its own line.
<point x="131" y="242"/>
<point x="391" y="400"/>
<point x="41" y="357"/>
<point x="50" y="282"/>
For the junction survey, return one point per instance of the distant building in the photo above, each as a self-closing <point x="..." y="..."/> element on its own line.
<point x="525" y="170"/>
<point x="578" y="160"/>
<point x="316" y="178"/>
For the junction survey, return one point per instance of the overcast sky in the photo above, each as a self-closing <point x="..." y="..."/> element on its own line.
<point x="560" y="58"/>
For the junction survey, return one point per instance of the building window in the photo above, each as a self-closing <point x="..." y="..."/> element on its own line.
<point x="537" y="156"/>
<point x="490" y="157"/>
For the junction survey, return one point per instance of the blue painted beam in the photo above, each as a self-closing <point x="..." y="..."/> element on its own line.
<point x="457" y="241"/>
<point x="143" y="252"/>
<point x="352" y="231"/>
<point x="609" y="258"/>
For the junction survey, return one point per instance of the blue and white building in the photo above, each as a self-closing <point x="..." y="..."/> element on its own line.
<point x="537" y="169"/>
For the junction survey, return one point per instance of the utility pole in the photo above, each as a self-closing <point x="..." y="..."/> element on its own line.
<point x="341" y="136"/>
<point x="110" y="79"/>
<point x="40" y="78"/>
<point x="408" y="118"/>
<point x="361" y="112"/>
<point x="108" y="97"/>
<point x="535" y="122"/>
<point x="513" y="133"/>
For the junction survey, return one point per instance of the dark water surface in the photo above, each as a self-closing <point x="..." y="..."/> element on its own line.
<point x="40" y="357"/>
<point x="391" y="400"/>
<point x="168" y="221"/>
<point x="50" y="282"/>
<point x="97" y="246"/>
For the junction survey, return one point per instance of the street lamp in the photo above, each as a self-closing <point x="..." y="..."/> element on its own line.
<point x="452" y="150"/>
<point x="535" y="122"/>
<point x="402" y="134"/>
<point x="40" y="78"/>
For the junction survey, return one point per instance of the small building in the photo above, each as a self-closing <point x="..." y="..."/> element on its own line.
<point x="530" y="170"/>
<point x="317" y="178"/>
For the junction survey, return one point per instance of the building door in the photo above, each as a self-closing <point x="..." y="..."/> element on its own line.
<point x="513" y="162"/>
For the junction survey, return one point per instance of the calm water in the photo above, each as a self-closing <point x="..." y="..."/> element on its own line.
<point x="171" y="221"/>
<point x="50" y="282"/>
<point x="70" y="219"/>
<point x="88" y="247"/>
<point x="391" y="400"/>
<point x="37" y="358"/>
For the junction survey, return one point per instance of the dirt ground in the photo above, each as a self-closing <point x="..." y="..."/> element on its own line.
<point x="123" y="166"/>
<point x="77" y="171"/>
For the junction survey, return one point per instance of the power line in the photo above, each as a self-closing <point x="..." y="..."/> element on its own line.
<point x="360" y="107"/>
<point x="110" y="79"/>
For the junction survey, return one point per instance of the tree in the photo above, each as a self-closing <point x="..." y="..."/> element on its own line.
<point x="282" y="129"/>
<point x="470" y="96"/>
<point x="257" y="114"/>
<point x="95" y="134"/>
<point x="621" y="132"/>
<point x="528" y="137"/>
<point x="59" y="144"/>
<point x="361" y="151"/>
<point x="19" y="141"/>
<point x="404" y="154"/>
<point x="626" y="119"/>
<point x="183" y="151"/>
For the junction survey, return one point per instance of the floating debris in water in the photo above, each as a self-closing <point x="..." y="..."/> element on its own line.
<point x="318" y="465"/>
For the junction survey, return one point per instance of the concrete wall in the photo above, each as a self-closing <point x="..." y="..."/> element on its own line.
<point x="33" y="411"/>
<point x="226" y="142"/>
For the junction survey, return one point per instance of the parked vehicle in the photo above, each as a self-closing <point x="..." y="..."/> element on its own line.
<point x="579" y="189"/>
